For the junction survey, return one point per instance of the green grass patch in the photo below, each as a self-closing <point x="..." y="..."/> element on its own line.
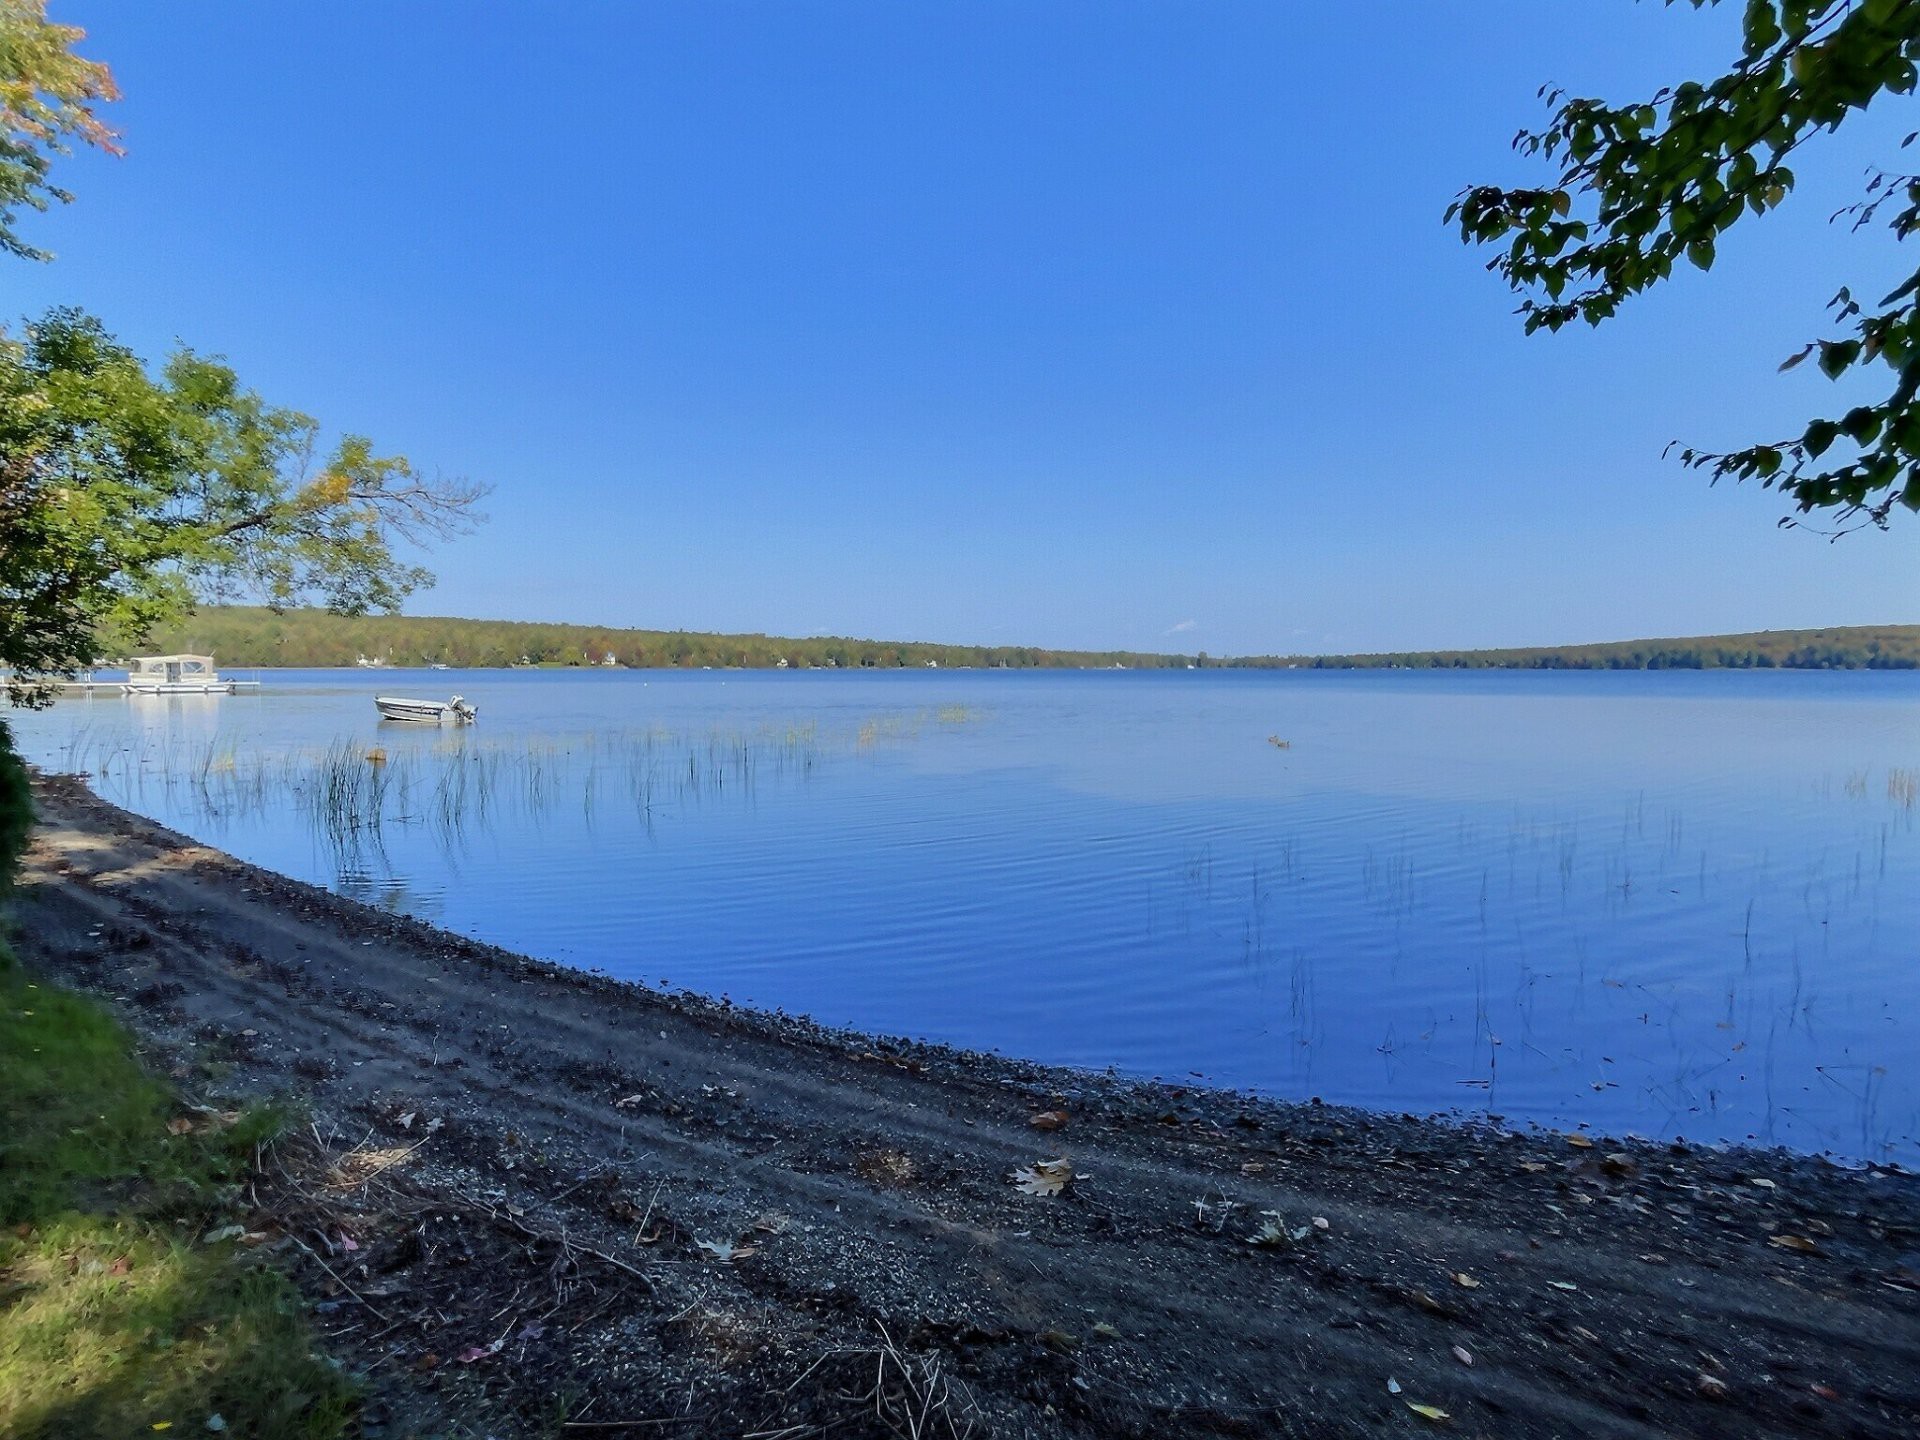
<point x="116" y="1317"/>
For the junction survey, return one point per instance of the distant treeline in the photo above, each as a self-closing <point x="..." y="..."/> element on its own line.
<point x="1856" y="647"/>
<point x="243" y="635"/>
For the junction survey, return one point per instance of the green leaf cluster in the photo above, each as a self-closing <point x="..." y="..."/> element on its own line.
<point x="1649" y="185"/>
<point x="16" y="808"/>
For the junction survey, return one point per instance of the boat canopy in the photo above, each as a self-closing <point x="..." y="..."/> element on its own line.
<point x="171" y="667"/>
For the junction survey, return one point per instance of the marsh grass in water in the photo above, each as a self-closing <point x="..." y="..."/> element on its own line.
<point x="352" y="790"/>
<point x="117" y="1320"/>
<point x="457" y="785"/>
<point x="1903" y="787"/>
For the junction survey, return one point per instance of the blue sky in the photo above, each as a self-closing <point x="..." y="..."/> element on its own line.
<point x="1080" y="324"/>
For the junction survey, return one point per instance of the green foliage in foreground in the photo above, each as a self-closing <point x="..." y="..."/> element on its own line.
<point x="114" y="1317"/>
<point x="16" y="808"/>
<point x="241" y="635"/>
<point x="1857" y="647"/>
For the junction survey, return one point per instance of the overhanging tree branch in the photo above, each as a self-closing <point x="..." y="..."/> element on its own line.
<point x="1646" y="184"/>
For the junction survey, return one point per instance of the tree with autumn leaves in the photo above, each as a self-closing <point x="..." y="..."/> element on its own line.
<point x="125" y="493"/>
<point x="47" y="95"/>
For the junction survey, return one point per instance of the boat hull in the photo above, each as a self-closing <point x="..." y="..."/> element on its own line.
<point x="181" y="687"/>
<point x="422" y="712"/>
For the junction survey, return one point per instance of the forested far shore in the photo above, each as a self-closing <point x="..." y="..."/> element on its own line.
<point x="1849" y="647"/>
<point x="242" y="635"/>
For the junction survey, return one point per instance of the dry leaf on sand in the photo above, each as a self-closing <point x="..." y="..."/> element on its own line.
<point x="1044" y="1177"/>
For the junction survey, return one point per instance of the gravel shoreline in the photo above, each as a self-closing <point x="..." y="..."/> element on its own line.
<point x="537" y="1201"/>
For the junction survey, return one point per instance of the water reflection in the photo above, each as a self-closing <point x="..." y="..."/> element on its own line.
<point x="1674" y="905"/>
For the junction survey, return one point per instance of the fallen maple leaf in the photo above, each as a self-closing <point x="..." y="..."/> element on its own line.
<point x="1429" y="1412"/>
<point x="1274" y="1231"/>
<point x="726" y="1251"/>
<point x="1048" y="1120"/>
<point x="1045" y="1178"/>
<point x="1579" y="1142"/>
<point x="180" y="1125"/>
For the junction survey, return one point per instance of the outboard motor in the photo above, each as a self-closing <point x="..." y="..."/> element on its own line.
<point x="464" y="712"/>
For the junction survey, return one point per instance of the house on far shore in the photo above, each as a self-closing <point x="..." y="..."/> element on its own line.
<point x="781" y="663"/>
<point x="610" y="659"/>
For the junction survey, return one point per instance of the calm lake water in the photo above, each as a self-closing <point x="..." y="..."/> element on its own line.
<point x="1664" y="903"/>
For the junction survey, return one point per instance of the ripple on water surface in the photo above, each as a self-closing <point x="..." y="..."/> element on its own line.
<point x="1665" y="903"/>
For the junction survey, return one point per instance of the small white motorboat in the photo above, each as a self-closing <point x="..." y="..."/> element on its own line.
<point x="426" y="712"/>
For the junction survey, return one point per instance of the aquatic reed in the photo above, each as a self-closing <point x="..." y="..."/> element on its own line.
<point x="1903" y="787"/>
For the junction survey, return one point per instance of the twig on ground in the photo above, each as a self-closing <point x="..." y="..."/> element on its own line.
<point x="372" y="1308"/>
<point x="566" y="1242"/>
